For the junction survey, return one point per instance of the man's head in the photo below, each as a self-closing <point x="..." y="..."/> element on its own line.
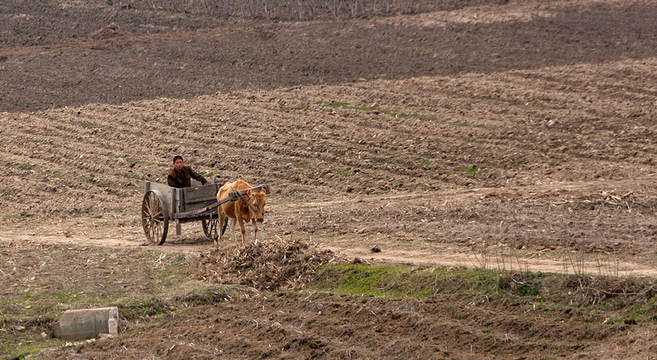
<point x="178" y="162"/>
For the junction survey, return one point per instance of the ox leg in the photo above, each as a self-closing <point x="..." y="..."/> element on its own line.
<point x="232" y="229"/>
<point x="243" y="230"/>
<point x="222" y="218"/>
<point x="255" y="231"/>
<point x="240" y="221"/>
<point x="224" y="225"/>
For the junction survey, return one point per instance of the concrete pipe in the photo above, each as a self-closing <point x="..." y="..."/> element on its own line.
<point x="87" y="323"/>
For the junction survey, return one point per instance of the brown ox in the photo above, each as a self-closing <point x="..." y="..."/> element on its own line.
<point x="250" y="206"/>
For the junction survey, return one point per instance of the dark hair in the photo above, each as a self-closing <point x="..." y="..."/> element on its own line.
<point x="177" y="157"/>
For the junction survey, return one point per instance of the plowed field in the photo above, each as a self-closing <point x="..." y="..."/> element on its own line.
<point x="462" y="134"/>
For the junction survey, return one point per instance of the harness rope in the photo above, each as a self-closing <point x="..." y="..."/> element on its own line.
<point x="248" y="204"/>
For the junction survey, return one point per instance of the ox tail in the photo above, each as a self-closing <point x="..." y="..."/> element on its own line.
<point x="224" y="225"/>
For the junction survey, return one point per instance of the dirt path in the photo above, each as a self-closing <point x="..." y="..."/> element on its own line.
<point x="356" y="241"/>
<point x="501" y="258"/>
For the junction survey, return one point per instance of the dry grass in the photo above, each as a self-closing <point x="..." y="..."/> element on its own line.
<point x="265" y="265"/>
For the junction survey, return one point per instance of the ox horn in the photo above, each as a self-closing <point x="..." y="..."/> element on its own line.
<point x="264" y="186"/>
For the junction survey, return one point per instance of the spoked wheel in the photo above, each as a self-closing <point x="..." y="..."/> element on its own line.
<point x="211" y="226"/>
<point x="154" y="217"/>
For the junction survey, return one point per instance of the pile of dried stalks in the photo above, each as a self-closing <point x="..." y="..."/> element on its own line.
<point x="266" y="265"/>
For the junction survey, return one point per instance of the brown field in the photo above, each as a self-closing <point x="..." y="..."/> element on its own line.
<point x="512" y="135"/>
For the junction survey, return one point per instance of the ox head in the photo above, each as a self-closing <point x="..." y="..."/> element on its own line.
<point x="256" y="203"/>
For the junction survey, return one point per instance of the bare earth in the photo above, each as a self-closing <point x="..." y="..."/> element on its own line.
<point x="515" y="135"/>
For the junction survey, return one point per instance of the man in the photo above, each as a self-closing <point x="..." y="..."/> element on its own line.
<point x="180" y="176"/>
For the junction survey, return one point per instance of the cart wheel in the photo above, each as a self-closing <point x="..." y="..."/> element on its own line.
<point x="154" y="217"/>
<point x="210" y="227"/>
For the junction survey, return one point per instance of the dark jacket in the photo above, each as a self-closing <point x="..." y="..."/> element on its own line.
<point x="183" y="178"/>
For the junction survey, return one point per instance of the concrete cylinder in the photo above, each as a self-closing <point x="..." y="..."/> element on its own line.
<point x="87" y="323"/>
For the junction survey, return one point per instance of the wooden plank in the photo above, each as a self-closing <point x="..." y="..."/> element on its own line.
<point x="206" y="210"/>
<point x="200" y="197"/>
<point x="201" y="193"/>
<point x="186" y="199"/>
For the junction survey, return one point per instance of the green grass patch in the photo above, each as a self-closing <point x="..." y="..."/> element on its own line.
<point x="161" y="257"/>
<point x="141" y="306"/>
<point x="424" y="117"/>
<point x="408" y="282"/>
<point x="360" y="280"/>
<point x="31" y="343"/>
<point x="369" y="109"/>
<point x="163" y="264"/>
<point x="615" y="300"/>
<point x="423" y="53"/>
<point x="469" y="171"/>
<point x="152" y="307"/>
<point x="333" y="104"/>
<point x="299" y="166"/>
<point x="201" y="295"/>
<point x="344" y="173"/>
<point x="93" y="181"/>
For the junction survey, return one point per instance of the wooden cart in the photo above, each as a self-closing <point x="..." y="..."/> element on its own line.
<point x="163" y="203"/>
